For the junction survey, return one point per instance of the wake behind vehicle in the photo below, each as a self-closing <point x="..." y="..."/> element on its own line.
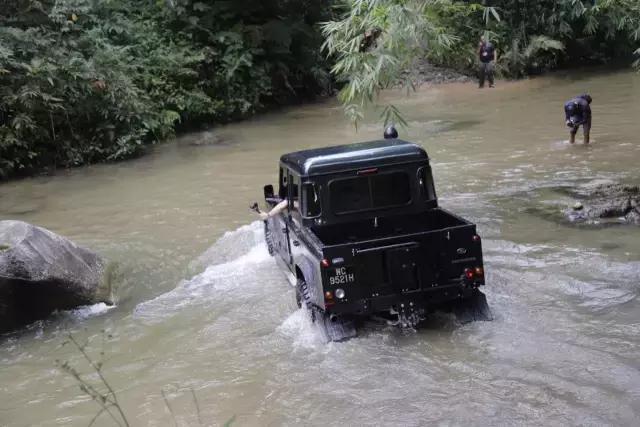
<point x="363" y="235"/>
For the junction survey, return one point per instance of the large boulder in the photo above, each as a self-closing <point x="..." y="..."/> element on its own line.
<point x="41" y="272"/>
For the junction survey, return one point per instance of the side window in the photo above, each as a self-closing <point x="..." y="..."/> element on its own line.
<point x="294" y="201"/>
<point x="426" y="183"/>
<point x="282" y="188"/>
<point x="310" y="201"/>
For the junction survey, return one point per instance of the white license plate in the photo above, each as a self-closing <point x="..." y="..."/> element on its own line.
<point x="342" y="276"/>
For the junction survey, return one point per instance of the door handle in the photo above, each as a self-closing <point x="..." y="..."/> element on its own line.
<point x="296" y="243"/>
<point x="284" y="229"/>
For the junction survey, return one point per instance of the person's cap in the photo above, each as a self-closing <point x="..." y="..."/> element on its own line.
<point x="390" y="133"/>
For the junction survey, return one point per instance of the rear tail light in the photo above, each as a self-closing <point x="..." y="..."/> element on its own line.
<point x="325" y="263"/>
<point x="474" y="274"/>
<point x="469" y="273"/>
<point x="476" y="238"/>
<point x="328" y="299"/>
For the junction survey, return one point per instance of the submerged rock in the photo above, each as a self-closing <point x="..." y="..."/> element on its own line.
<point x="591" y="205"/>
<point x="41" y="272"/>
<point x="206" y="138"/>
<point x="608" y="202"/>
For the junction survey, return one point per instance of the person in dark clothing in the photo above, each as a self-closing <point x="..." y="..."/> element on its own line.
<point x="488" y="56"/>
<point x="578" y="112"/>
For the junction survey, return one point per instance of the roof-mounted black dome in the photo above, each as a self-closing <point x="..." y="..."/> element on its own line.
<point x="390" y="133"/>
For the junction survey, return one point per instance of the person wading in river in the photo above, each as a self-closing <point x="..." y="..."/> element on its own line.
<point x="488" y="56"/>
<point x="578" y="112"/>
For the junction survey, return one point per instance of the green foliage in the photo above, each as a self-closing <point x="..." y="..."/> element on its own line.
<point x="531" y="36"/>
<point x="84" y="81"/>
<point x="535" y="36"/>
<point x="541" y="52"/>
<point x="373" y="42"/>
<point x="69" y="91"/>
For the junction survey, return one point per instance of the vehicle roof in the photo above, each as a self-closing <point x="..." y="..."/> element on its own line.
<point x="340" y="158"/>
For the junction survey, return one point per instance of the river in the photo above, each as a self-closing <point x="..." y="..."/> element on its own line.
<point x="203" y="310"/>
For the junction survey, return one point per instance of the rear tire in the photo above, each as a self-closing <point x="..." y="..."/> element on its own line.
<point x="302" y="297"/>
<point x="298" y="295"/>
<point x="267" y="238"/>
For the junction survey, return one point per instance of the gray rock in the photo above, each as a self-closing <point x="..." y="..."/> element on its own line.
<point x="607" y="202"/>
<point x="41" y="272"/>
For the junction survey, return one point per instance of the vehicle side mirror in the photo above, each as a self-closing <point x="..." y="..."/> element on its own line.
<point x="268" y="191"/>
<point x="269" y="197"/>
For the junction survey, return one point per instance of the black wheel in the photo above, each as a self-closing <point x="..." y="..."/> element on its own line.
<point x="302" y="293"/>
<point x="267" y="238"/>
<point x="298" y="296"/>
<point x="302" y="297"/>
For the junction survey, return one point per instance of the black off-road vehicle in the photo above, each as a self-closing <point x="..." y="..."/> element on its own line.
<point x="363" y="235"/>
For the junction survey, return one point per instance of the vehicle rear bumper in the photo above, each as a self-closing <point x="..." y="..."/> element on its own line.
<point x="423" y="299"/>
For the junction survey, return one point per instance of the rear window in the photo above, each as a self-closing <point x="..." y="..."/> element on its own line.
<point x="369" y="192"/>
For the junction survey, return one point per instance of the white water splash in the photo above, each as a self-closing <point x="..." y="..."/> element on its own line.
<point x="239" y="259"/>
<point x="302" y="331"/>
<point x="87" y="311"/>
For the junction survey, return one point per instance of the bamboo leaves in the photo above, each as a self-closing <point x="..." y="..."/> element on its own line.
<point x="372" y="43"/>
<point x="533" y="36"/>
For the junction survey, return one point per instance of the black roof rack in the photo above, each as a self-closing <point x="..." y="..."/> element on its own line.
<point x="341" y="158"/>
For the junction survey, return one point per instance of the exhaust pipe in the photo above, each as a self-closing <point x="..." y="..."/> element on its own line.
<point x="333" y="318"/>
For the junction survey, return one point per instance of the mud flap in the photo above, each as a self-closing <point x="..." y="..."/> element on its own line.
<point x="338" y="329"/>
<point x="473" y="309"/>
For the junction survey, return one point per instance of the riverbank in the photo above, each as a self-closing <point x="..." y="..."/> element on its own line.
<point x="424" y="75"/>
<point x="424" y="72"/>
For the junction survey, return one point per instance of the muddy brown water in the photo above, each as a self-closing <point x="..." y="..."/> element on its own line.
<point x="202" y="309"/>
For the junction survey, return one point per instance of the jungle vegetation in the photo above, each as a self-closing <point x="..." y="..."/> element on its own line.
<point x="531" y="36"/>
<point x="85" y="81"/>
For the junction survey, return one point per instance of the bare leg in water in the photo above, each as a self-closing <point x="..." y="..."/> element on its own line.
<point x="572" y="135"/>
<point x="586" y="128"/>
